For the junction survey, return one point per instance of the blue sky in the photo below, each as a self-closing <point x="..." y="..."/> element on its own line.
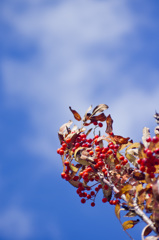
<point x="56" y="54"/>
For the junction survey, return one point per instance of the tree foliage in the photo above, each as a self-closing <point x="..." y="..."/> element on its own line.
<point x="126" y="172"/>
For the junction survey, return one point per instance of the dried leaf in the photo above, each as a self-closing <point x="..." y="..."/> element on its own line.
<point x="129" y="224"/>
<point x="65" y="126"/>
<point x="130" y="214"/>
<point x="141" y="196"/>
<point x="139" y="187"/>
<point x="74" y="183"/>
<point x="117" y="210"/>
<point x="130" y="157"/>
<point x="107" y="193"/>
<point x="63" y="129"/>
<point x="76" y="114"/>
<point x="156" y="116"/>
<point x="73" y="168"/>
<point x="138" y="175"/>
<point x="155" y="190"/>
<point x="146" y="231"/>
<point x="109" y="122"/>
<point x="141" y="151"/>
<point x="119" y="139"/>
<point x="87" y="115"/>
<point x="101" y="117"/>
<point x="126" y="188"/>
<point x="146" y="134"/>
<point x="99" y="108"/>
<point x="82" y="156"/>
<point x="152" y="238"/>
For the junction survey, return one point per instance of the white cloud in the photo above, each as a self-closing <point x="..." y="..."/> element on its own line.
<point x="15" y="224"/>
<point x="66" y="67"/>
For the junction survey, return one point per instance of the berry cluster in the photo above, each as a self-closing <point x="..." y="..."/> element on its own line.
<point x="150" y="160"/>
<point x="104" y="159"/>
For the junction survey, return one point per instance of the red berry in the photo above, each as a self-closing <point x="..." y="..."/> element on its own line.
<point x="63" y="175"/>
<point x="104" y="200"/>
<point x="68" y="140"/>
<point x="142" y="168"/>
<point x="92" y="193"/>
<point x="148" y="139"/>
<point x="96" y="136"/>
<point x="92" y="204"/>
<point x="100" y="124"/>
<point x="83" y="135"/>
<point x="83" y="200"/>
<point x="155" y="139"/>
<point x="91" y="153"/>
<point x="66" y="163"/>
<point x="118" y="167"/>
<point x="88" y="196"/>
<point x="121" y="158"/>
<point x="77" y="145"/>
<point x="61" y="152"/>
<point x="64" y="145"/>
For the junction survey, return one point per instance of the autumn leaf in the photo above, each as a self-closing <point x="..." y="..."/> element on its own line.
<point x="126" y="188"/>
<point x="99" y="108"/>
<point x="146" y="231"/>
<point x="146" y="134"/>
<point x="101" y="117"/>
<point x="129" y="224"/>
<point x="138" y="175"/>
<point x="117" y="210"/>
<point x="73" y="168"/>
<point x="87" y="115"/>
<point x="65" y="126"/>
<point x="109" y="122"/>
<point x="74" y="183"/>
<point x="76" y="114"/>
<point x="63" y="129"/>
<point x="119" y="139"/>
<point x="142" y="154"/>
<point x="130" y="214"/>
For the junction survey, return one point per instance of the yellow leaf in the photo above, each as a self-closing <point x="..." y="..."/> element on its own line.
<point x="126" y="188"/>
<point x="129" y="224"/>
<point x="117" y="210"/>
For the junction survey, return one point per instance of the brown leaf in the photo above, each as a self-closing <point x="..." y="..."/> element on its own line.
<point x="155" y="190"/>
<point x="141" y="196"/>
<point x="129" y="224"/>
<point x="76" y="114"/>
<point x="119" y="139"/>
<point x="87" y="115"/>
<point x="141" y="151"/>
<point x="109" y="122"/>
<point x="64" y="127"/>
<point x="138" y="175"/>
<point x="107" y="193"/>
<point x="130" y="214"/>
<point x="146" y="231"/>
<point x="99" y="108"/>
<point x="117" y="210"/>
<point x="101" y="117"/>
<point x="74" y="183"/>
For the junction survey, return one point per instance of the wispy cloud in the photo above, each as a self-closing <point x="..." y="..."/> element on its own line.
<point x="80" y="53"/>
<point x="15" y="224"/>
